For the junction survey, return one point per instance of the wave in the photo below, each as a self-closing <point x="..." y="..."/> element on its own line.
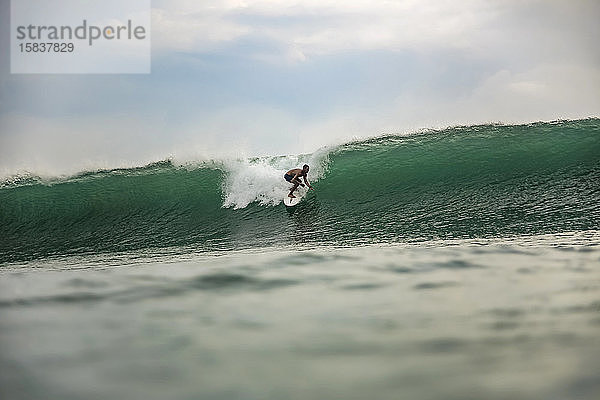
<point x="480" y="181"/>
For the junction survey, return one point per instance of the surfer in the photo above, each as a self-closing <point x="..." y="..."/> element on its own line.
<point x="293" y="176"/>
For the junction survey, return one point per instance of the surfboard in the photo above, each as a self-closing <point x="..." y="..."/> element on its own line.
<point x="291" y="202"/>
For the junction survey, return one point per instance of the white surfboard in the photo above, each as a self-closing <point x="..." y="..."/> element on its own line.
<point x="291" y="202"/>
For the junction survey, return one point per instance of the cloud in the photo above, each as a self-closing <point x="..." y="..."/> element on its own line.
<point x="299" y="30"/>
<point x="540" y="93"/>
<point x="193" y="29"/>
<point x="308" y="28"/>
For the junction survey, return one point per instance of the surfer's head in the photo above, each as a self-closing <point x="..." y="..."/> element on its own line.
<point x="305" y="168"/>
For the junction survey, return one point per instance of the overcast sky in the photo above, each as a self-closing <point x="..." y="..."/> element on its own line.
<point x="282" y="77"/>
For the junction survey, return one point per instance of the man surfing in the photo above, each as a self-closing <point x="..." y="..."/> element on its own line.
<point x="293" y="176"/>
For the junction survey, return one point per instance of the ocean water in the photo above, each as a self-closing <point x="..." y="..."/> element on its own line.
<point x="461" y="263"/>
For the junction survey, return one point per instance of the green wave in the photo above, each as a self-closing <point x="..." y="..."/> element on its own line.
<point x="463" y="182"/>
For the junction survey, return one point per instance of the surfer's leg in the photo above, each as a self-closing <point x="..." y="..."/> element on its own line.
<point x="292" y="191"/>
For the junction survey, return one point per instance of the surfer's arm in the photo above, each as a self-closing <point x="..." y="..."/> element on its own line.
<point x="307" y="183"/>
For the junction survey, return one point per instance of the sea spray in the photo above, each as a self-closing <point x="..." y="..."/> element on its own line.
<point x="261" y="180"/>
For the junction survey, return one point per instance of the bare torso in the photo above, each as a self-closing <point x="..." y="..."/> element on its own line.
<point x="295" y="171"/>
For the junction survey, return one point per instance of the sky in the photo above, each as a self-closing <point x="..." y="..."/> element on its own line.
<point x="241" y="78"/>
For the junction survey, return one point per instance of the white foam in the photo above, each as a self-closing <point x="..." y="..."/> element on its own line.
<point x="261" y="179"/>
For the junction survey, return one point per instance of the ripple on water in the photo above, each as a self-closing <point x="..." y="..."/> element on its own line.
<point x="219" y="281"/>
<point x="434" y="285"/>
